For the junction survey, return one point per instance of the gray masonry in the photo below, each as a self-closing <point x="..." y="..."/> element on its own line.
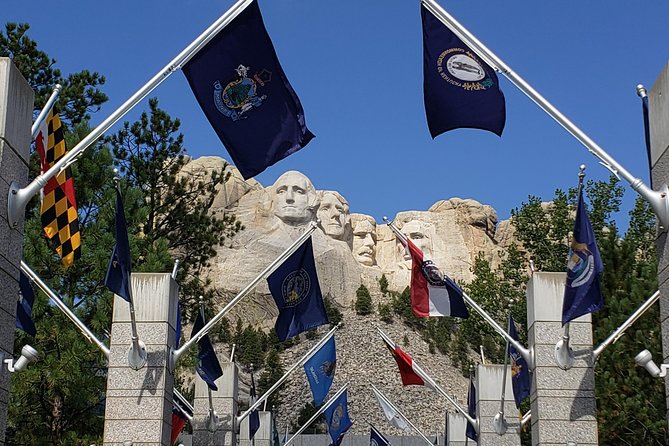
<point x="225" y="403"/>
<point x="562" y="401"/>
<point x="16" y="106"/>
<point x="264" y="435"/>
<point x="139" y="402"/>
<point x="488" y="395"/>
<point x="456" y="425"/>
<point x="658" y="100"/>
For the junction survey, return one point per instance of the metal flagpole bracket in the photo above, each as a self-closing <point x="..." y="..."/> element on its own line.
<point x="137" y="354"/>
<point x="499" y="424"/>
<point x="564" y="355"/>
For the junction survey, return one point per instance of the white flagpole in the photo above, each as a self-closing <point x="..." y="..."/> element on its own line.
<point x="413" y="426"/>
<point x="428" y="379"/>
<point x="45" y="111"/>
<point x="527" y="354"/>
<point x="18" y="197"/>
<point x="285" y="376"/>
<point x="317" y="414"/>
<point x="174" y="356"/>
<point x="658" y="200"/>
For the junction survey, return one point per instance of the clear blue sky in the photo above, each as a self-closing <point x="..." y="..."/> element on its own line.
<point x="357" y="68"/>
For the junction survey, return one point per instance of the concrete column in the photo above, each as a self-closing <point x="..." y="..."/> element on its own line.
<point x="139" y="402"/>
<point x="225" y="402"/>
<point x="16" y="106"/>
<point x="658" y="99"/>
<point x="264" y="435"/>
<point x="488" y="393"/>
<point x="562" y="401"/>
<point x="456" y="425"/>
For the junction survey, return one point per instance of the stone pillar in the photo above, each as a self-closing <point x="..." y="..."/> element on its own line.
<point x="264" y="435"/>
<point x="225" y="402"/>
<point x="562" y="401"/>
<point x="16" y="106"/>
<point x="488" y="393"/>
<point x="658" y="100"/>
<point x="456" y="426"/>
<point x="139" y="402"/>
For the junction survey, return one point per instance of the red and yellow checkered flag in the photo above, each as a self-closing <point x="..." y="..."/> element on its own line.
<point x="59" y="207"/>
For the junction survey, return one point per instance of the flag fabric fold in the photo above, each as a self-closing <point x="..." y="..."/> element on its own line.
<point x="58" y="209"/>
<point x="337" y="418"/>
<point x="433" y="293"/>
<point x="471" y="410"/>
<point x="24" y="306"/>
<point x="520" y="374"/>
<point x="320" y="370"/>
<point x="582" y="293"/>
<point x="208" y="366"/>
<point x="376" y="438"/>
<point x="390" y="412"/>
<point x="254" y="417"/>
<point x="120" y="264"/>
<point x="242" y="89"/>
<point x="460" y="89"/>
<point x="297" y="293"/>
<point x="409" y="372"/>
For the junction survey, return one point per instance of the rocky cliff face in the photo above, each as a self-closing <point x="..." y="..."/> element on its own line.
<point x="352" y="249"/>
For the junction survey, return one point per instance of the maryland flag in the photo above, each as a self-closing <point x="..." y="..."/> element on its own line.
<point x="59" y="207"/>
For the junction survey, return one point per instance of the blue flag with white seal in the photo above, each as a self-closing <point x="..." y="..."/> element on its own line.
<point x="120" y="264"/>
<point x="376" y="438"/>
<point x="208" y="366"/>
<point x="24" y="306"/>
<point x="460" y="90"/>
<point x="242" y="89"/>
<point x="320" y="370"/>
<point x="297" y="293"/>
<point x="582" y="293"/>
<point x="520" y="374"/>
<point x="337" y="418"/>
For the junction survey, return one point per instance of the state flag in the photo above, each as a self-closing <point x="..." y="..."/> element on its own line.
<point x="337" y="418"/>
<point x="376" y="438"/>
<point x="460" y="89"/>
<point x="120" y="263"/>
<point x="246" y="96"/>
<point x="390" y="412"/>
<point x="409" y="373"/>
<point x="320" y="370"/>
<point x="254" y="417"/>
<point x="208" y="366"/>
<point x="471" y="410"/>
<point x="24" y="306"/>
<point x="520" y="374"/>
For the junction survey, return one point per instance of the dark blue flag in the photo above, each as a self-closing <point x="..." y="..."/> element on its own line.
<point x="471" y="410"/>
<point x="254" y="417"/>
<point x="460" y="90"/>
<point x="582" y="293"/>
<point x="208" y="366"/>
<point x="120" y="264"/>
<point x="297" y="294"/>
<point x="243" y="91"/>
<point x="337" y="418"/>
<point x="520" y="374"/>
<point x="178" y="328"/>
<point x="320" y="370"/>
<point x="24" y="306"/>
<point x="646" y="133"/>
<point x="376" y="438"/>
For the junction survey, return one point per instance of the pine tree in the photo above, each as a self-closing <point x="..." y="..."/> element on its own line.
<point x="363" y="301"/>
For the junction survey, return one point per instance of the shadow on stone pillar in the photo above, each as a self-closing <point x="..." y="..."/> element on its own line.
<point x="16" y="107"/>
<point x="225" y="403"/>
<point x="139" y="402"/>
<point x="562" y="401"/>
<point x="488" y="393"/>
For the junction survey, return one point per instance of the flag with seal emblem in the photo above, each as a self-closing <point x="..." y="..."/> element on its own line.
<point x="376" y="438"/>
<point x="208" y="366"/>
<point x="297" y="293"/>
<point x="58" y="210"/>
<point x="520" y="374"/>
<point x="582" y="292"/>
<point x="337" y="418"/>
<point x="243" y="91"/>
<point x="460" y="90"/>
<point x="320" y="370"/>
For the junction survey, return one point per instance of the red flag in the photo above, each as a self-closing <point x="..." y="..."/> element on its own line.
<point x="178" y="423"/>
<point x="410" y="375"/>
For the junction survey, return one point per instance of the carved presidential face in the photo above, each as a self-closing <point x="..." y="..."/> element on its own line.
<point x="334" y="216"/>
<point x="294" y="197"/>
<point x="364" y="243"/>
<point x="417" y="232"/>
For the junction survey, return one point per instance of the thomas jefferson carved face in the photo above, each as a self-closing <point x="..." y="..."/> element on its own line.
<point x="364" y="243"/>
<point x="333" y="214"/>
<point x="294" y="198"/>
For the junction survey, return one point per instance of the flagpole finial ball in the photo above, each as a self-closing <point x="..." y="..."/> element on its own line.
<point x="641" y="91"/>
<point x="582" y="167"/>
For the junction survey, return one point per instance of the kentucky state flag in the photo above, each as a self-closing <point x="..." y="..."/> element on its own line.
<point x="582" y="293"/>
<point x="433" y="293"/>
<point x="243" y="91"/>
<point x="460" y="89"/>
<point x="297" y="294"/>
<point x="520" y="374"/>
<point x="320" y="370"/>
<point x="337" y="417"/>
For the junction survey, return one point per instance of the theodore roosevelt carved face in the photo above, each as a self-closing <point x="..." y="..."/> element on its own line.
<point x="364" y="242"/>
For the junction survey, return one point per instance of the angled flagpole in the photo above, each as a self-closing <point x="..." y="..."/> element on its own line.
<point x="18" y="197"/>
<point x="420" y="372"/>
<point x="322" y="409"/>
<point x="176" y="354"/>
<point x="659" y="200"/>
<point x="390" y="404"/>
<point x="45" y="110"/>
<point x="307" y="356"/>
<point x="527" y="354"/>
